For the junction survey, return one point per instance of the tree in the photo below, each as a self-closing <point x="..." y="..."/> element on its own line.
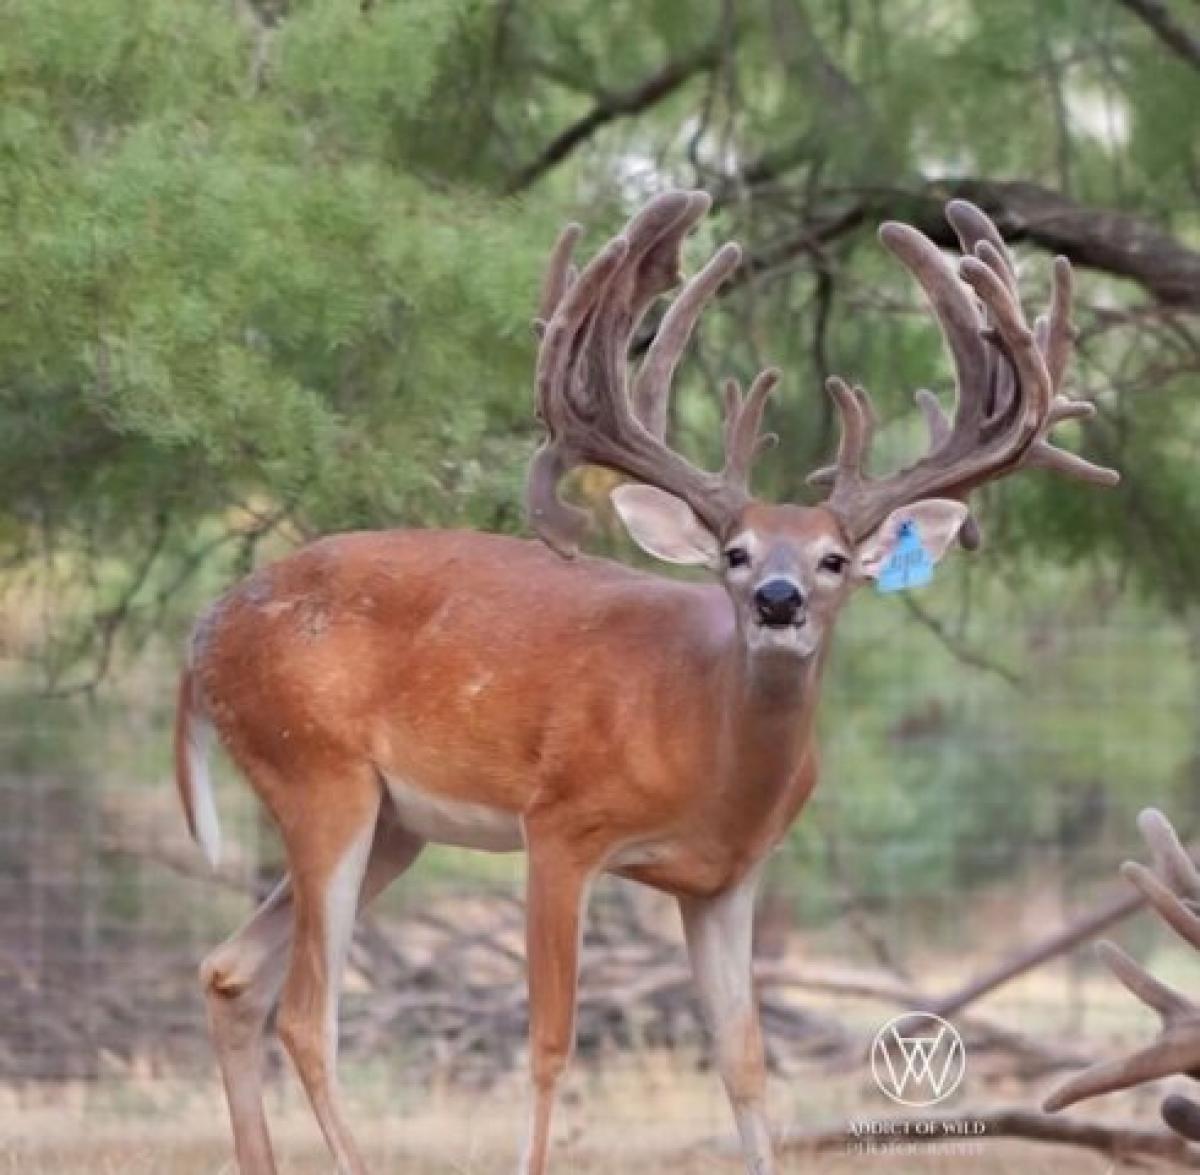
<point x="270" y="273"/>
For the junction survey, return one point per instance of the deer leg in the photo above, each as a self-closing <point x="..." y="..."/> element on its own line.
<point x="719" y="932"/>
<point x="242" y="979"/>
<point x="328" y="858"/>
<point x="556" y="891"/>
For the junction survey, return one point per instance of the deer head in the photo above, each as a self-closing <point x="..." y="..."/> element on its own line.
<point x="788" y="568"/>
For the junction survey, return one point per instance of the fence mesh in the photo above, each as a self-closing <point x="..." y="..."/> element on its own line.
<point x="964" y="812"/>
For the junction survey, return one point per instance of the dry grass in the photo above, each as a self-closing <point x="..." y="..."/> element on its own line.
<point x="656" y="1116"/>
<point x="199" y="1158"/>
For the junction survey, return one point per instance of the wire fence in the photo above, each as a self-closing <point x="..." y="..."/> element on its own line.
<point x="1010" y="824"/>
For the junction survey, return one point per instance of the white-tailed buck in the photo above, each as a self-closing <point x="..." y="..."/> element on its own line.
<point x="1172" y="888"/>
<point x="384" y="690"/>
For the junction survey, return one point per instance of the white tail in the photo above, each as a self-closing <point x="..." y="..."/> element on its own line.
<point x="193" y="739"/>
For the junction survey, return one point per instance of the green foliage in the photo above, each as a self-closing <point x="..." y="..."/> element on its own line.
<point x="267" y="270"/>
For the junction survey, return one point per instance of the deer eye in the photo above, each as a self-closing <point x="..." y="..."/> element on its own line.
<point x="834" y="563"/>
<point x="737" y="557"/>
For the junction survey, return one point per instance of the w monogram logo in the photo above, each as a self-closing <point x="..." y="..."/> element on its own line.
<point x="918" y="1059"/>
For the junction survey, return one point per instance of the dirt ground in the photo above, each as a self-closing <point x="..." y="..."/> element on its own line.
<point x="653" y="1116"/>
<point x="134" y="1158"/>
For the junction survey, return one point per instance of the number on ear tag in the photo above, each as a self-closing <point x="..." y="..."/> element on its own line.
<point x="909" y="565"/>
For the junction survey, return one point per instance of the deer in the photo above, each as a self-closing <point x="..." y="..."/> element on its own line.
<point x="1170" y="885"/>
<point x="384" y="690"/>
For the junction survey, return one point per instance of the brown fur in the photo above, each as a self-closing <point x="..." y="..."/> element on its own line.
<point x="610" y="710"/>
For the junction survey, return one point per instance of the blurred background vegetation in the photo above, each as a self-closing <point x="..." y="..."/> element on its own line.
<point x="267" y="270"/>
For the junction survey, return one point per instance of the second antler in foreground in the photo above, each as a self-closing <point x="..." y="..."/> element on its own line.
<point x="1171" y="885"/>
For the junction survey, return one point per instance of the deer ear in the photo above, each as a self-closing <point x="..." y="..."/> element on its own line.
<point x="936" y="521"/>
<point x="665" y="526"/>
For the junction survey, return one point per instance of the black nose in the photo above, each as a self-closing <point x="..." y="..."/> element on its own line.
<point x="778" y="601"/>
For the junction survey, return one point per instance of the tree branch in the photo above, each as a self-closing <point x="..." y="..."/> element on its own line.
<point x="958" y="648"/>
<point x="1111" y="242"/>
<point x="620" y="104"/>
<point x="1158" y="17"/>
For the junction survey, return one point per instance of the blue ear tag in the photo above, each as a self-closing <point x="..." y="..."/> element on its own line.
<point x="909" y="564"/>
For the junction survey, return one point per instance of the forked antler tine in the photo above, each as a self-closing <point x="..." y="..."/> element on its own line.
<point x="743" y="419"/>
<point x="583" y="392"/>
<point x="1171" y="860"/>
<point x="857" y="427"/>
<point x="1172" y="910"/>
<point x="979" y="237"/>
<point x="557" y="522"/>
<point x="652" y="386"/>
<point x="639" y="264"/>
<point x="955" y="310"/>
<point x="974" y="227"/>
<point x="651" y="268"/>
<point x="858" y="423"/>
<point x="662" y="226"/>
<point x="1014" y="333"/>
<point x="1003" y="377"/>
<point x="560" y="274"/>
<point x="570" y="316"/>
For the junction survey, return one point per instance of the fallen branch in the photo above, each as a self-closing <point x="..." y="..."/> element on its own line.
<point x="1027" y="958"/>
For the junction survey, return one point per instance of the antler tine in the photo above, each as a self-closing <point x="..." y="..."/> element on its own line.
<point x="1164" y="900"/>
<point x="651" y="388"/>
<point x="1171" y="860"/>
<point x="938" y="424"/>
<point x="858" y="419"/>
<point x="856" y="430"/>
<point x="743" y="420"/>
<point x="955" y="310"/>
<point x="973" y="227"/>
<point x="936" y="419"/>
<point x="1060" y="333"/>
<point x="1177" y="1049"/>
<point x="559" y="523"/>
<point x="979" y="237"/>
<point x="559" y="275"/>
<point x="982" y="273"/>
<point x="1007" y="380"/>
<point x="583" y="395"/>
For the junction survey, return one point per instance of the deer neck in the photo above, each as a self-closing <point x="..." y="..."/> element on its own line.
<point x="769" y="704"/>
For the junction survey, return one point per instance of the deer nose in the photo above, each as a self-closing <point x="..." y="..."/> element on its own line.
<point x="778" y="601"/>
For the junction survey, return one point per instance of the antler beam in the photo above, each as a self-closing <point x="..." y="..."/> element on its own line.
<point x="1008" y="380"/>
<point x="584" y="401"/>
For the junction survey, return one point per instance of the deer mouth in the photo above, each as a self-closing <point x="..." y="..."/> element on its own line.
<point x="794" y="623"/>
<point x="795" y="637"/>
